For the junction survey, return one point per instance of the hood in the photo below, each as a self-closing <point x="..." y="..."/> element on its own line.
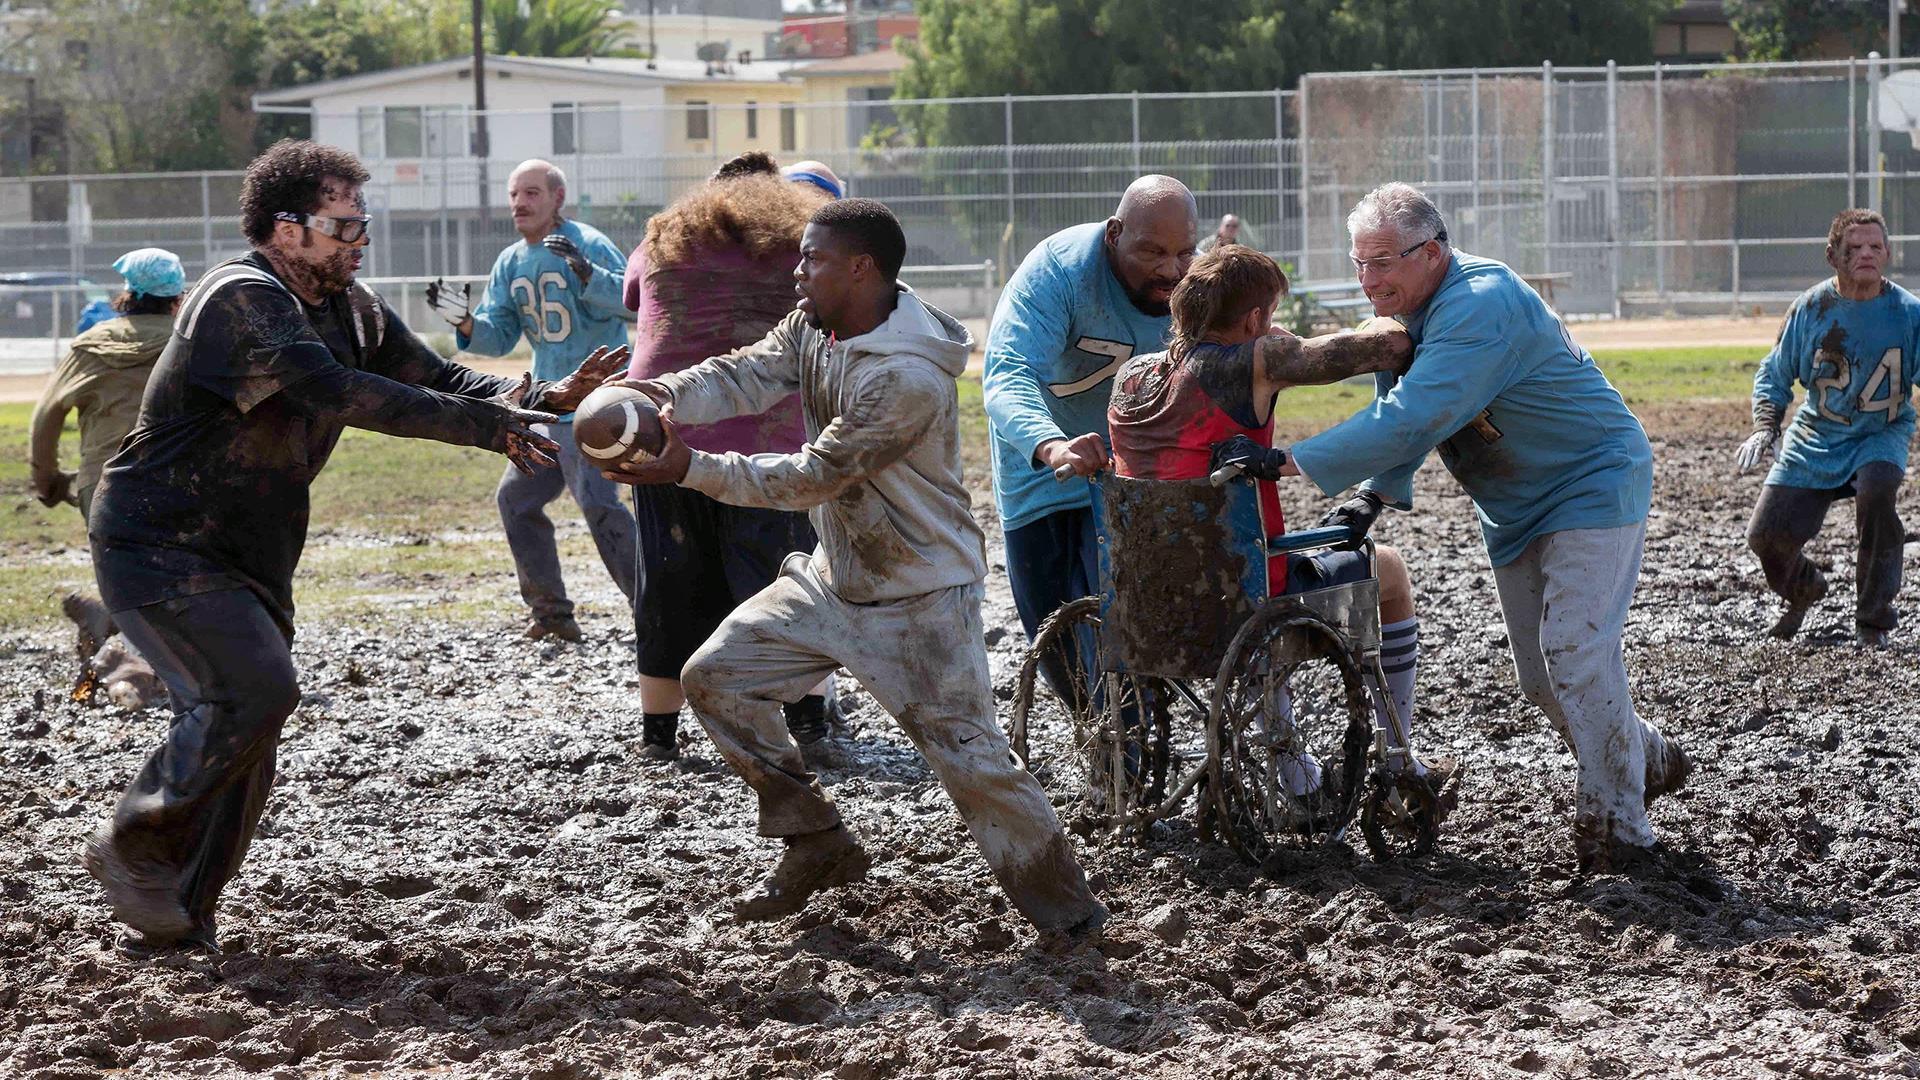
<point x="128" y="341"/>
<point x="917" y="328"/>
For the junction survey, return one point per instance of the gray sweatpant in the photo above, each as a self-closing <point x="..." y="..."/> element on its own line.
<point x="1786" y="518"/>
<point x="1565" y="601"/>
<point x="523" y="503"/>
<point x="924" y="659"/>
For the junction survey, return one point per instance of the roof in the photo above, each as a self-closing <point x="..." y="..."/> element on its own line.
<point x="883" y="62"/>
<point x="587" y="69"/>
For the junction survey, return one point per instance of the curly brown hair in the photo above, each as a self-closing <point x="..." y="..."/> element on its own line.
<point x="764" y="214"/>
<point x="288" y="176"/>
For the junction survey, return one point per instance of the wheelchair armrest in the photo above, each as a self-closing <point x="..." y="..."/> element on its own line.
<point x="1308" y="539"/>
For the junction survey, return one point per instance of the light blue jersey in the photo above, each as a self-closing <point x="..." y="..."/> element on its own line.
<point x="1064" y="325"/>
<point x="534" y="292"/>
<point x="1522" y="418"/>
<point x="1856" y="358"/>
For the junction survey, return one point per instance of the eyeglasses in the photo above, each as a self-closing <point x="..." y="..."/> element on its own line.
<point x="347" y="230"/>
<point x="1381" y="263"/>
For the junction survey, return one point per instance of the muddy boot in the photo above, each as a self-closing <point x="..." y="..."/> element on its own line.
<point x="91" y="620"/>
<point x="154" y="911"/>
<point x="137" y="946"/>
<point x="1592" y="845"/>
<point x="1873" y="637"/>
<point x="659" y="736"/>
<point x="1789" y="622"/>
<point x="1674" y="769"/>
<point x="561" y="626"/>
<point x="812" y="862"/>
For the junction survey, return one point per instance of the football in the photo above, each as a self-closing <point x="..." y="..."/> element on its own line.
<point x="617" y="424"/>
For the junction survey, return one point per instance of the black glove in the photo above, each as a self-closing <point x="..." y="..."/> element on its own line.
<point x="1259" y="462"/>
<point x="1358" y="514"/>
<point x="564" y="248"/>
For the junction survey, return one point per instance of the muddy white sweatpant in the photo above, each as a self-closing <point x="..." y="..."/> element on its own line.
<point x="1565" y="600"/>
<point x="924" y="659"/>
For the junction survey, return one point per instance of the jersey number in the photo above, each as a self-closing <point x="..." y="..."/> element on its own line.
<point x="545" y="318"/>
<point x="1120" y="351"/>
<point x="1885" y="374"/>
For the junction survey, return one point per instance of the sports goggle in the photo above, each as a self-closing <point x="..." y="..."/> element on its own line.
<point x="347" y="230"/>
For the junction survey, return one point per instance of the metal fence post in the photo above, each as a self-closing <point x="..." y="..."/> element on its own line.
<point x="1853" y="135"/>
<point x="1659" y="181"/>
<point x="1306" y="182"/>
<point x="206" y="222"/>
<point x="1613" y="179"/>
<point x="1136" y="132"/>
<point x="1873" y="131"/>
<point x="1546" y="166"/>
<point x="1006" y="104"/>
<point x="1473" y="84"/>
<point x="1280" y="169"/>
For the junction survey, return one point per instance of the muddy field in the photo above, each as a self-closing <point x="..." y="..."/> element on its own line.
<point x="466" y="870"/>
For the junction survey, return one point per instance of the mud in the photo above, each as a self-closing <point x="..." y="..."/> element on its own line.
<point x="465" y="869"/>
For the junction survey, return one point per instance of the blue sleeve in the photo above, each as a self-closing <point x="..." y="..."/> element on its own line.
<point x="1394" y="486"/>
<point x="1774" y="381"/>
<point x="1463" y="361"/>
<point x="1029" y="331"/>
<point x="496" y="322"/>
<point x="605" y="292"/>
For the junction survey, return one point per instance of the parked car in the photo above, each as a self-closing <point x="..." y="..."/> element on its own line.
<point x="27" y="302"/>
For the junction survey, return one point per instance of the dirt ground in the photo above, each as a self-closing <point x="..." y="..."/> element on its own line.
<point x="466" y="870"/>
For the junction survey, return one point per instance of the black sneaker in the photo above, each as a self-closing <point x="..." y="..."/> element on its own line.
<point x="659" y="739"/>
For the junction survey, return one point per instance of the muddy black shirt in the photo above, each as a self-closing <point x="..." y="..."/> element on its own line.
<point x="242" y="410"/>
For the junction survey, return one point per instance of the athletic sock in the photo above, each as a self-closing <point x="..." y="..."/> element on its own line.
<point x="659" y="728"/>
<point x="1400" y="660"/>
<point x="807" y="719"/>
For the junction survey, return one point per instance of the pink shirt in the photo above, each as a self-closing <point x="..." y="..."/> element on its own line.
<point x="721" y="300"/>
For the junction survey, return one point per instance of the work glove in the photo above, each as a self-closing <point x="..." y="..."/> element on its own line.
<point x="1358" y="515"/>
<point x="564" y="248"/>
<point x="1249" y="457"/>
<point x="453" y="305"/>
<point x="1765" y="440"/>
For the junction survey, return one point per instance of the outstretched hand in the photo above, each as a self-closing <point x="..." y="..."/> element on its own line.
<point x="600" y="365"/>
<point x="575" y="259"/>
<point x="526" y="448"/>
<point x="455" y="305"/>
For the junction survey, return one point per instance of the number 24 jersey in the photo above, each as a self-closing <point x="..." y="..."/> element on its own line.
<point x="1856" y="359"/>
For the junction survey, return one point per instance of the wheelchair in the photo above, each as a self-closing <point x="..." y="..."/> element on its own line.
<point x="1280" y="750"/>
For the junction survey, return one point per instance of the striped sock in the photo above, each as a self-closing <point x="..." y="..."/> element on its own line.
<point x="1400" y="659"/>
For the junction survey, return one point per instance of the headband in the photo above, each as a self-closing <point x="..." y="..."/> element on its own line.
<point x="814" y="178"/>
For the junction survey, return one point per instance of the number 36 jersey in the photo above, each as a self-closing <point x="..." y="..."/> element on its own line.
<point x="533" y="292"/>
<point x="1856" y="359"/>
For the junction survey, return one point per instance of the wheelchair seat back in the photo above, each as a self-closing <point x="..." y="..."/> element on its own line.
<point x="1182" y="565"/>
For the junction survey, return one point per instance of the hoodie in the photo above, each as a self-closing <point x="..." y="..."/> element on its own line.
<point x="880" y="473"/>
<point x="103" y="377"/>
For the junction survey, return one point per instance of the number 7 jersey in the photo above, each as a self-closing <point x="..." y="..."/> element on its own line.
<point x="1856" y="359"/>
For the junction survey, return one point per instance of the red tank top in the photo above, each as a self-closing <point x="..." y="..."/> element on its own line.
<point x="1166" y="415"/>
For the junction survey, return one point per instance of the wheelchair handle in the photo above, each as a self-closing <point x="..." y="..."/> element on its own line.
<point x="1308" y="539"/>
<point x="1225" y="474"/>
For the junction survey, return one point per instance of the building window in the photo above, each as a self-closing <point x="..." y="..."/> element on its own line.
<point x="586" y="127"/>
<point x="405" y="134"/>
<point x="371" y="143"/>
<point x="698" y="127"/>
<point x="753" y="119"/>
<point x="789" y="136"/>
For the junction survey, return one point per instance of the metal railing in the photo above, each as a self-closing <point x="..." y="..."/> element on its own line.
<point x="1653" y="187"/>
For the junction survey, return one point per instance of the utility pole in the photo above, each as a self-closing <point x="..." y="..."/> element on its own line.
<point x="1893" y="29"/>
<point x="481" y="149"/>
<point x="653" y="48"/>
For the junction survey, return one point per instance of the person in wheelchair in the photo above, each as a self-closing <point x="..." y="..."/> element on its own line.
<point x="1206" y="403"/>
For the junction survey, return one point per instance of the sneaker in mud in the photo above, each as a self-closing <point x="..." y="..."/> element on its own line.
<point x="135" y="945"/>
<point x="1675" y="767"/>
<point x="154" y="911"/>
<point x="659" y="738"/>
<point x="659" y="751"/>
<point x="561" y="626"/>
<point x="1592" y="845"/>
<point x="1789" y="622"/>
<point x="812" y="862"/>
<point x="1873" y="637"/>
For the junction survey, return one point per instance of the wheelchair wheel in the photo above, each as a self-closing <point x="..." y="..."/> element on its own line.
<point x="1288" y="736"/>
<point x="1099" y="746"/>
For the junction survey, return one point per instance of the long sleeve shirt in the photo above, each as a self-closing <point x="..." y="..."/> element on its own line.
<point x="1522" y="418"/>
<point x="532" y="292"/>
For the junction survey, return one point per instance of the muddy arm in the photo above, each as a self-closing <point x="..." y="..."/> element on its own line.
<point x="1285" y="360"/>
<point x="405" y="357"/>
<point x="745" y="382"/>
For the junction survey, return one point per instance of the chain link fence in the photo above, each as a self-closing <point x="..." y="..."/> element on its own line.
<point x="1621" y="190"/>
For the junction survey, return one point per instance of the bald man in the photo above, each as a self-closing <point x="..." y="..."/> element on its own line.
<point x="1083" y="302"/>
<point x="561" y="287"/>
<point x="1227" y="233"/>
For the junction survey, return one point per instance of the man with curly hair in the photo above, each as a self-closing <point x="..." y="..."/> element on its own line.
<point x="715" y="274"/>
<point x="200" y="518"/>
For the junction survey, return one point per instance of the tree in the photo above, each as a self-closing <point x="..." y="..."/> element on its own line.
<point x="557" y="28"/>
<point x="1796" y="29"/>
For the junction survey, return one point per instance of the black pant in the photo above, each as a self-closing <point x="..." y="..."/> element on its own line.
<point x="189" y="815"/>
<point x="1051" y="561"/>
<point x="1786" y="518"/>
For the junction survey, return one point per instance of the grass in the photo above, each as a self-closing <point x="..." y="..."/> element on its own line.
<point x="402" y="525"/>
